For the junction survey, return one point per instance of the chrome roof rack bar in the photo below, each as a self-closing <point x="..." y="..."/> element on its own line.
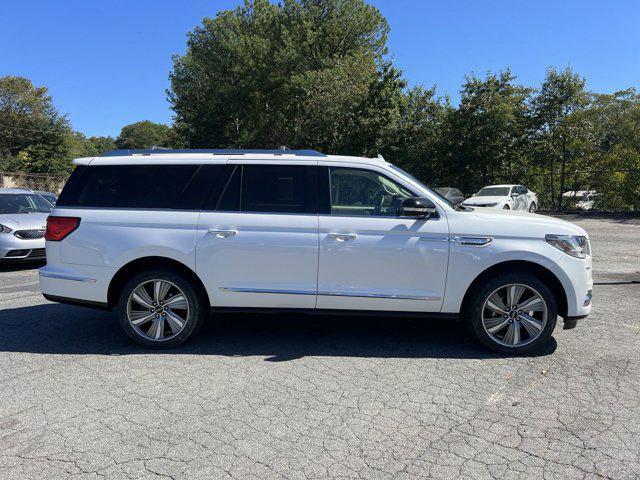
<point x="169" y="151"/>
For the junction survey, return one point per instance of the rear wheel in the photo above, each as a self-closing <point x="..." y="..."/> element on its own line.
<point x="160" y="309"/>
<point x="512" y="313"/>
<point x="506" y="207"/>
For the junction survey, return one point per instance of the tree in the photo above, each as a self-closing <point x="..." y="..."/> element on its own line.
<point x="32" y="133"/>
<point x="417" y="142"/>
<point x="558" y="124"/>
<point x="301" y="73"/>
<point x="488" y="130"/>
<point x="146" y="134"/>
<point x="613" y="168"/>
<point x="78" y="145"/>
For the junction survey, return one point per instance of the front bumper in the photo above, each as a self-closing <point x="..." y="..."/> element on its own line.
<point x="14" y="249"/>
<point x="579" y="288"/>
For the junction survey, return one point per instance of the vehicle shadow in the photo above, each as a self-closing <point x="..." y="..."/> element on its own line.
<point x="19" y="266"/>
<point x="62" y="329"/>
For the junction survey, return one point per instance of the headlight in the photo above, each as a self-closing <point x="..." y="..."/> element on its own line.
<point x="574" y="245"/>
<point x="5" y="229"/>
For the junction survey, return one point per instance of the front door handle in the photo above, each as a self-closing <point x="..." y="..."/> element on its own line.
<point x="342" y="237"/>
<point x="222" y="233"/>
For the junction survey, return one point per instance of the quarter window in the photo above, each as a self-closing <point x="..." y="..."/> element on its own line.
<point x="278" y="189"/>
<point x="133" y="186"/>
<point x="361" y="192"/>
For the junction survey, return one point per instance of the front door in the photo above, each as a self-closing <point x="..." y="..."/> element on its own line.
<point x="372" y="259"/>
<point x="258" y="246"/>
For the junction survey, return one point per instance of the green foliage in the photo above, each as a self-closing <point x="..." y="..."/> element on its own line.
<point x="32" y="133"/>
<point x="300" y="73"/>
<point x="315" y="74"/>
<point x="489" y="129"/>
<point x="147" y="134"/>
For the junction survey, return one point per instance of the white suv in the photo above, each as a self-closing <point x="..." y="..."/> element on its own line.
<point x="167" y="236"/>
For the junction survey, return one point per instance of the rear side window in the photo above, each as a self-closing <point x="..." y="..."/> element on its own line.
<point x="271" y="189"/>
<point x="278" y="188"/>
<point x="141" y="186"/>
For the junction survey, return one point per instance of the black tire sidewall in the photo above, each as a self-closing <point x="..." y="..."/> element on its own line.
<point x="197" y="308"/>
<point x="472" y="311"/>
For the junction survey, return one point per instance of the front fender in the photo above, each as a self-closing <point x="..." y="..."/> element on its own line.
<point x="466" y="263"/>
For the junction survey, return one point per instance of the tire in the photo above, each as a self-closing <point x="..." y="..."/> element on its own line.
<point x="532" y="207"/>
<point x="168" y="324"/>
<point x="480" y="319"/>
<point x="506" y="207"/>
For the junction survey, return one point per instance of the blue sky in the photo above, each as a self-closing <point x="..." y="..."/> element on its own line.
<point x="106" y="62"/>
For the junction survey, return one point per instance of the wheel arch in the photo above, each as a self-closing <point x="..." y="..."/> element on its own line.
<point x="510" y="266"/>
<point x="147" y="263"/>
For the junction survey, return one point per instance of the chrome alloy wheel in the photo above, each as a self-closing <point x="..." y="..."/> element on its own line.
<point x="157" y="310"/>
<point x="514" y="315"/>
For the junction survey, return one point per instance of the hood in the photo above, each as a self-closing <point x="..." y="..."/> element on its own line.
<point x="24" y="221"/>
<point x="521" y="222"/>
<point x="484" y="200"/>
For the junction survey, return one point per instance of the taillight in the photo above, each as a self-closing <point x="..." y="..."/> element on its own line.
<point x="60" y="227"/>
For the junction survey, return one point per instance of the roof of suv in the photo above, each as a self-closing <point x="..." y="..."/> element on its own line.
<point x="14" y="190"/>
<point x="202" y="156"/>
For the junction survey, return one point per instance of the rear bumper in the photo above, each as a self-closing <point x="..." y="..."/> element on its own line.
<point x="80" y="284"/>
<point x="77" y="302"/>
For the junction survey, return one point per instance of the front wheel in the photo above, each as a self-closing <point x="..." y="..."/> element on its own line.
<point x="506" y="207"/>
<point x="160" y="309"/>
<point x="532" y="207"/>
<point x="513" y="313"/>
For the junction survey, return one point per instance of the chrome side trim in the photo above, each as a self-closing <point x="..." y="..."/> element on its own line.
<point x="266" y="290"/>
<point x="471" y="241"/>
<point x="63" y="276"/>
<point x="378" y="295"/>
<point x="433" y="239"/>
<point x="328" y="293"/>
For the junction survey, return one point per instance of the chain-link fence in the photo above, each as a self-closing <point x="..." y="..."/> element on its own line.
<point x="32" y="181"/>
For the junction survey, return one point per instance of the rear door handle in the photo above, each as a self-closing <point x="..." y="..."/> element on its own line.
<point x="222" y="233"/>
<point x="342" y="237"/>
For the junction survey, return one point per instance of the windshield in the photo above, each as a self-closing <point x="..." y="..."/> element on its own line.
<point x="23" y="203"/>
<point x="494" y="192"/>
<point x="414" y="179"/>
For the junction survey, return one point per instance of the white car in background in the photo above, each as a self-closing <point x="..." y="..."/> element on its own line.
<point x="23" y="218"/>
<point x="580" y="199"/>
<point x="507" y="197"/>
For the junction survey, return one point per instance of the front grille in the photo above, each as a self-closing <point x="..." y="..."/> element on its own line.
<point x="30" y="234"/>
<point x="37" y="253"/>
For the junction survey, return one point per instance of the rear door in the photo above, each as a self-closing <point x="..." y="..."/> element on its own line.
<point x="257" y="241"/>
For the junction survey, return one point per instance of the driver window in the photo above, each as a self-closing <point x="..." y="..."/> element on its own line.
<point x="360" y="192"/>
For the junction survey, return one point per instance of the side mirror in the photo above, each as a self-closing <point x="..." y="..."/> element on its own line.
<point x="417" y="207"/>
<point x="514" y="195"/>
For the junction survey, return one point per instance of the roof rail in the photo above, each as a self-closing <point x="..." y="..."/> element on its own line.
<point x="166" y="151"/>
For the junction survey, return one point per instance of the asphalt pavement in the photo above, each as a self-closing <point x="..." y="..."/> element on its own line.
<point x="302" y="397"/>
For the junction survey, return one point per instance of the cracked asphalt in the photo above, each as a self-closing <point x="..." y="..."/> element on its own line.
<point x="300" y="397"/>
